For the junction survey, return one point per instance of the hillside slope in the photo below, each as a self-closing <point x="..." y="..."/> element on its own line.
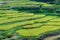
<point x="29" y="20"/>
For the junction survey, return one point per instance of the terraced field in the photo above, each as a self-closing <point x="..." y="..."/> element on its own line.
<point x="29" y="20"/>
<point x="27" y="24"/>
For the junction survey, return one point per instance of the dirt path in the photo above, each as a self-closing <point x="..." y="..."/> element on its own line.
<point x="52" y="37"/>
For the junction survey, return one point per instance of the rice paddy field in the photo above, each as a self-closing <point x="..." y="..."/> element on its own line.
<point x="29" y="20"/>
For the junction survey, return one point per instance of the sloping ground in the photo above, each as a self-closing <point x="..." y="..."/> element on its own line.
<point x="48" y="26"/>
<point x="20" y="25"/>
<point x="27" y="24"/>
<point x="9" y="5"/>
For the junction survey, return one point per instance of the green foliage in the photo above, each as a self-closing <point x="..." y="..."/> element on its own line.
<point x="28" y="18"/>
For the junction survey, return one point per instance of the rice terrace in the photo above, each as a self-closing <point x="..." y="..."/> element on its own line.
<point x="29" y="19"/>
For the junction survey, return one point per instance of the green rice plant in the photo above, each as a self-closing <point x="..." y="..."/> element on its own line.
<point x="56" y="20"/>
<point x="9" y="26"/>
<point x="19" y="19"/>
<point x="53" y="23"/>
<point x="35" y="25"/>
<point x="30" y="3"/>
<point x="36" y="32"/>
<point x="46" y="18"/>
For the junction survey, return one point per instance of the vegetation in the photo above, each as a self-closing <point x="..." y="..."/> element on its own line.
<point x="29" y="19"/>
